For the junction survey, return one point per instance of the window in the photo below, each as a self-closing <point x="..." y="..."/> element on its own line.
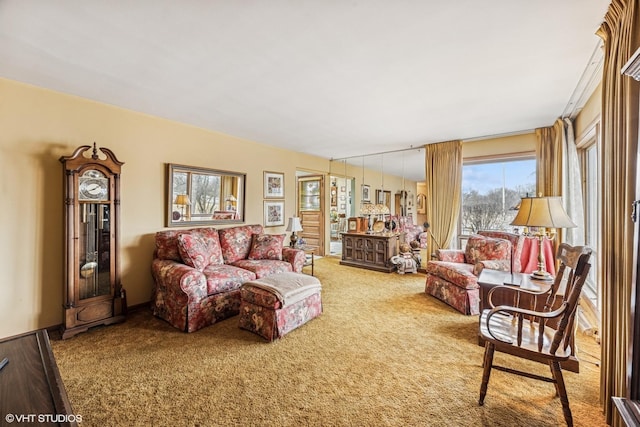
<point x="491" y="190"/>
<point x="589" y="158"/>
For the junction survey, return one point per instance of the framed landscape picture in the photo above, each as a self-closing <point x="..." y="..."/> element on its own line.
<point x="273" y="185"/>
<point x="273" y="214"/>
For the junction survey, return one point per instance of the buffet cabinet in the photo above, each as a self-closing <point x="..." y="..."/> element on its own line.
<point x="370" y="251"/>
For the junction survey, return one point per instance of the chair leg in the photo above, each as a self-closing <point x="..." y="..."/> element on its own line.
<point x="487" y="364"/>
<point x="556" y="371"/>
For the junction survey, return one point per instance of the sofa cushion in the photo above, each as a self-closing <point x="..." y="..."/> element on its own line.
<point x="459" y="274"/>
<point x="266" y="246"/>
<point x="200" y="248"/>
<point x="236" y="242"/>
<point x="480" y="248"/>
<point x="224" y="278"/>
<point x="167" y="245"/>
<point x="264" y="267"/>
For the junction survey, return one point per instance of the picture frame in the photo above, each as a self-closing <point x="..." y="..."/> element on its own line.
<point x="421" y="204"/>
<point x="334" y="196"/>
<point x="273" y="185"/>
<point x="366" y="193"/>
<point x="274" y="213"/>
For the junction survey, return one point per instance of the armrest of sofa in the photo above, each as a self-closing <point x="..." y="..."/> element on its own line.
<point x="174" y="277"/>
<point x="295" y="257"/>
<point x="450" y="255"/>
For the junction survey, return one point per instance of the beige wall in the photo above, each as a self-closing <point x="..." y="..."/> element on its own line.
<point x="39" y="126"/>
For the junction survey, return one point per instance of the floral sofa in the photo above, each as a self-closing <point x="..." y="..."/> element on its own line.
<point x="198" y="272"/>
<point x="453" y="277"/>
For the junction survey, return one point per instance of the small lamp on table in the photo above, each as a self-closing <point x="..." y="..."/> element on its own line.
<point x="543" y="213"/>
<point x="294" y="226"/>
<point x="182" y="200"/>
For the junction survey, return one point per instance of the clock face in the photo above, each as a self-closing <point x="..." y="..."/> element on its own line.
<point x="92" y="186"/>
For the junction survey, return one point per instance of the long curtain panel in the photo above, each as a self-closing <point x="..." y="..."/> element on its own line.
<point x="620" y="34"/>
<point x="443" y="167"/>
<point x="549" y="147"/>
<point x="549" y="160"/>
<point x="572" y="187"/>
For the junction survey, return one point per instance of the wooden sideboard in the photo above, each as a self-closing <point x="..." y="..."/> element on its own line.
<point x="370" y="251"/>
<point x="30" y="384"/>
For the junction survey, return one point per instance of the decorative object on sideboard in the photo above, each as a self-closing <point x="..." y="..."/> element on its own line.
<point x="543" y="213"/>
<point x="373" y="212"/>
<point x="293" y="227"/>
<point x="182" y="200"/>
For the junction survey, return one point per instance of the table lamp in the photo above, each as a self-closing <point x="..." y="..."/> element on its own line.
<point x="293" y="226"/>
<point x="542" y="212"/>
<point x="230" y="199"/>
<point x="182" y="200"/>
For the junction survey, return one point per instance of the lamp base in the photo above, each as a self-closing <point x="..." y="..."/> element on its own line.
<point x="541" y="275"/>
<point x="293" y="240"/>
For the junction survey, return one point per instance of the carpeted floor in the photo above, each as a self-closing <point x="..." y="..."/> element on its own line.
<point x="383" y="353"/>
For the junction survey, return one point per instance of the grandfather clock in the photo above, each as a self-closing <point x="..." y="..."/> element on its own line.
<point x="93" y="293"/>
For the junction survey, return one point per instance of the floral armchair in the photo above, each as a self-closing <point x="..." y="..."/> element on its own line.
<point x="453" y="276"/>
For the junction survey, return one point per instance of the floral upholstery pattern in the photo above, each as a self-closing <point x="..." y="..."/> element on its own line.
<point x="266" y="246"/>
<point x="191" y="298"/>
<point x="224" y="278"/>
<point x="200" y="248"/>
<point x="460" y="274"/>
<point x="450" y="255"/>
<point x="236" y="242"/>
<point x="263" y="268"/>
<point x="453" y="278"/>
<point x="261" y="312"/>
<point x="466" y="301"/>
<point x="480" y="248"/>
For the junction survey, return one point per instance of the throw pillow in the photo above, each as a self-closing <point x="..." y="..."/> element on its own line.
<point x="480" y="248"/>
<point x="199" y="249"/>
<point x="266" y="246"/>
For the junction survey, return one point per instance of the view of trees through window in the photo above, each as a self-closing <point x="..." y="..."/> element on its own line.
<point x="203" y="190"/>
<point x="491" y="191"/>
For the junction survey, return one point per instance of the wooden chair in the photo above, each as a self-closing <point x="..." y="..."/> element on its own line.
<point x="544" y="336"/>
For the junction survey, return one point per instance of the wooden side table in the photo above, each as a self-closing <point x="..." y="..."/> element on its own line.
<point x="309" y="252"/>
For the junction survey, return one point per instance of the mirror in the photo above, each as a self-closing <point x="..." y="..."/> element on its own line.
<point x="199" y="196"/>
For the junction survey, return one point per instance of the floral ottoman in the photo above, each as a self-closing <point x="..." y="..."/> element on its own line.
<point x="275" y="305"/>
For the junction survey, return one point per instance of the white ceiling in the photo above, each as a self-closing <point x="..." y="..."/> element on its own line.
<point x="333" y="78"/>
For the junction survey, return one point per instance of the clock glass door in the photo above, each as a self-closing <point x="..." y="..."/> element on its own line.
<point x="94" y="250"/>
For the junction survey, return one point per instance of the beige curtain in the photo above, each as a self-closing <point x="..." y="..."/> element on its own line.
<point x="549" y="160"/>
<point x="619" y="156"/>
<point x="443" y="166"/>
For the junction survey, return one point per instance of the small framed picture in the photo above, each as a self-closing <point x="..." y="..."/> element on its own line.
<point x="273" y="214"/>
<point x="273" y="185"/>
<point x="352" y="224"/>
<point x="366" y="193"/>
